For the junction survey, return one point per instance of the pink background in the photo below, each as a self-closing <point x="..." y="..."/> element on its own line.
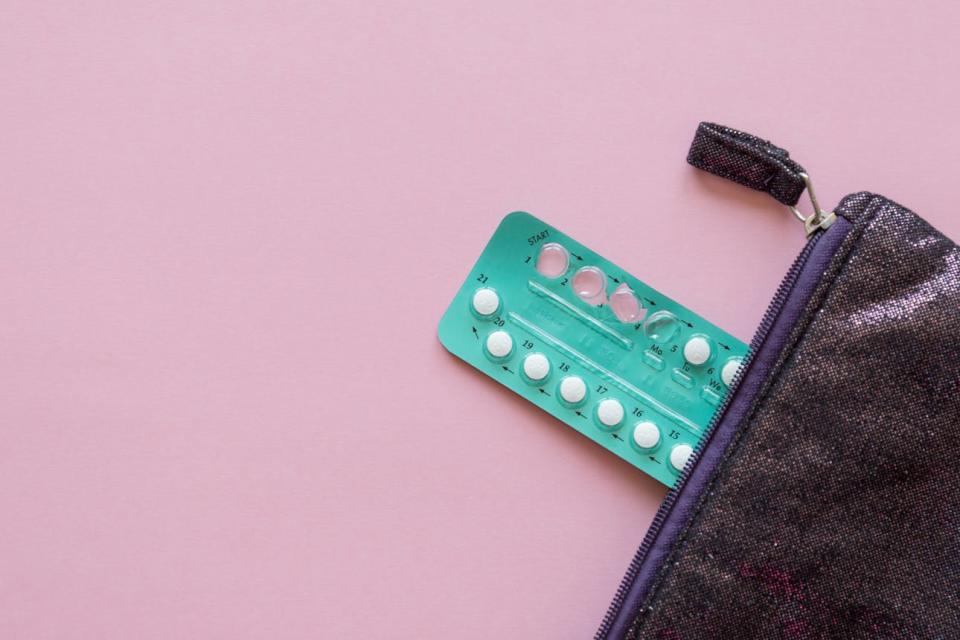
<point x="228" y="231"/>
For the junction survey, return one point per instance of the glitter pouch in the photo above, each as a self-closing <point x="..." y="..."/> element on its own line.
<point x="824" y="501"/>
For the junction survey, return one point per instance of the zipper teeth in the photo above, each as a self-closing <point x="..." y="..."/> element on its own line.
<point x="773" y="310"/>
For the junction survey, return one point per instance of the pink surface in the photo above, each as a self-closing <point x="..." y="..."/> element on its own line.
<point x="228" y="231"/>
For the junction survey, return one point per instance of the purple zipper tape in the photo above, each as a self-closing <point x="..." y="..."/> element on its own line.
<point x="677" y="509"/>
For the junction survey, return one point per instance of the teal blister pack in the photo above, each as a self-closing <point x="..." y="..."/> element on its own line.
<point x="592" y="345"/>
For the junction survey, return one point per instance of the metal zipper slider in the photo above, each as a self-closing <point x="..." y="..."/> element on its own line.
<point x="817" y="220"/>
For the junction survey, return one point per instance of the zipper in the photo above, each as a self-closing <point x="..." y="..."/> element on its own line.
<point x="815" y="225"/>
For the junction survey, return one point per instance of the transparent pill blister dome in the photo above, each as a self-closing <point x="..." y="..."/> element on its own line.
<point x="599" y="349"/>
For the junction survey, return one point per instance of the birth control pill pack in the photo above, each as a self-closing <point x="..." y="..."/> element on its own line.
<point x="599" y="349"/>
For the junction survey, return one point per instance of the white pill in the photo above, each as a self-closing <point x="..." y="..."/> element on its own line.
<point x="486" y="302"/>
<point x="646" y="435"/>
<point x="610" y="412"/>
<point x="536" y="366"/>
<point x="499" y="344"/>
<point x="697" y="350"/>
<point x="729" y="371"/>
<point x="679" y="456"/>
<point x="573" y="389"/>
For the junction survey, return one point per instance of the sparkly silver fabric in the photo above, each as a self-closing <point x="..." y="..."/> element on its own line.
<point x="836" y="513"/>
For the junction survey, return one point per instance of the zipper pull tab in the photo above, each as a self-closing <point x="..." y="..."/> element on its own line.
<point x="819" y="219"/>
<point x="758" y="164"/>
